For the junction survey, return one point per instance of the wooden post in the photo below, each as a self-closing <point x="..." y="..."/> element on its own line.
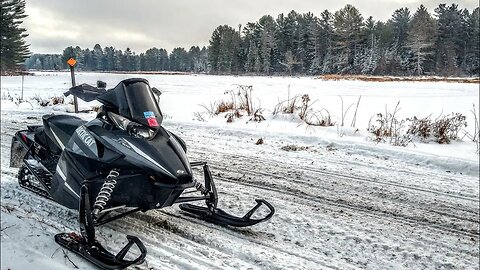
<point x="23" y="76"/>
<point x="71" y="62"/>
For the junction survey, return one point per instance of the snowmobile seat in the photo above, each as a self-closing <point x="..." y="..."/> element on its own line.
<point x="59" y="128"/>
<point x="45" y="141"/>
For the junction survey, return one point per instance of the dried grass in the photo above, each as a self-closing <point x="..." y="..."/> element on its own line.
<point x="366" y="78"/>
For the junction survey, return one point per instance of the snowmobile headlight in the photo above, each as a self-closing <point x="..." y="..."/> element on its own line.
<point x="142" y="132"/>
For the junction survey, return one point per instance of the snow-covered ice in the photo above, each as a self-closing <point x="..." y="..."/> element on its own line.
<point x="342" y="202"/>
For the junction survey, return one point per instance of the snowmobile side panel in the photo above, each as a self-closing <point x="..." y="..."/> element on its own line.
<point x="64" y="188"/>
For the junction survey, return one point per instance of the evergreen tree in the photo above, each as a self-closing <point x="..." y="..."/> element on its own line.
<point x="109" y="55"/>
<point x="308" y="29"/>
<point x="119" y="64"/>
<point x="224" y="50"/>
<point x="151" y="59"/>
<point x="163" y="63"/>
<point x="286" y="38"/>
<point x="98" y="58"/>
<point x="472" y="58"/>
<point x="196" y="63"/>
<point x="251" y="39"/>
<point x="450" y="46"/>
<point x="367" y="60"/>
<point x="348" y="23"/>
<point x="13" y="48"/>
<point x="400" y="23"/>
<point x="397" y="54"/>
<point x="179" y="60"/>
<point x="325" y="38"/>
<point x="267" y="45"/>
<point x="128" y="61"/>
<point x="420" y="41"/>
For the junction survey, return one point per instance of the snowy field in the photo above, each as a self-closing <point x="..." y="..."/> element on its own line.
<point x="341" y="202"/>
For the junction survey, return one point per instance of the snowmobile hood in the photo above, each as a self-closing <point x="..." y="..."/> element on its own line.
<point x="133" y="99"/>
<point x="162" y="154"/>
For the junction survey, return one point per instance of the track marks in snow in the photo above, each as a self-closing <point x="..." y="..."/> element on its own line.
<point x="333" y="210"/>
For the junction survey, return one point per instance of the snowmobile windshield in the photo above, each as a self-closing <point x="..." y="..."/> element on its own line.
<point x="134" y="99"/>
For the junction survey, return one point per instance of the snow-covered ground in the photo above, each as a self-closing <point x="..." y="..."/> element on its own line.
<point x="342" y="202"/>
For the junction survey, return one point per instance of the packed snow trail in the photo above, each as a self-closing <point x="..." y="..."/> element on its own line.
<point x="337" y="207"/>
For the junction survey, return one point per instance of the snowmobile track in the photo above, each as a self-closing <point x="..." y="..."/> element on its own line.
<point x="234" y="232"/>
<point x="348" y="177"/>
<point x="366" y="210"/>
<point x="252" y="173"/>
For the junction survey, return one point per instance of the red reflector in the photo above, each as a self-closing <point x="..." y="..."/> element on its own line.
<point x="152" y="122"/>
<point x="24" y="137"/>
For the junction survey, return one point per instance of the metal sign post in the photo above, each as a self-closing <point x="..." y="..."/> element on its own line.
<point x="71" y="62"/>
<point x="23" y="78"/>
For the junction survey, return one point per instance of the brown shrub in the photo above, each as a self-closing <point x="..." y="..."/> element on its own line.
<point x="366" y="78"/>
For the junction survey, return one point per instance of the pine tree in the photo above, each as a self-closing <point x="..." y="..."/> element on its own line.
<point x="251" y="56"/>
<point x="473" y="44"/>
<point x="109" y="54"/>
<point x="325" y="44"/>
<point x="286" y="38"/>
<point x="224" y="50"/>
<point x="348" y="23"/>
<point x="420" y="41"/>
<point x="151" y="59"/>
<point x="179" y="60"/>
<point x="119" y="63"/>
<point x="98" y="58"/>
<point x="308" y="29"/>
<point x="368" y="59"/>
<point x="251" y="38"/>
<point x="13" y="50"/>
<point x="163" y="63"/>
<point x="400" y="22"/>
<point x="450" y="40"/>
<point x="267" y="44"/>
<point x="128" y="61"/>
<point x="397" y="54"/>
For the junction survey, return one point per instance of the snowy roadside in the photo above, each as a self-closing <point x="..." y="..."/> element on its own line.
<point x="338" y="206"/>
<point x="342" y="203"/>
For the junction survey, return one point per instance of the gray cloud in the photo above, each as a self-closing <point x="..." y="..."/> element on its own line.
<point x="142" y="24"/>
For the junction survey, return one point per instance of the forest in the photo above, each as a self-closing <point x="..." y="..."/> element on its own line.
<point x="410" y="43"/>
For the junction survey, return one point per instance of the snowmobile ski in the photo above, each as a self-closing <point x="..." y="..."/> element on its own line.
<point x="97" y="254"/>
<point x="220" y="217"/>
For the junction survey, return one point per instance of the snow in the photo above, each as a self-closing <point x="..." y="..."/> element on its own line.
<point x="341" y="202"/>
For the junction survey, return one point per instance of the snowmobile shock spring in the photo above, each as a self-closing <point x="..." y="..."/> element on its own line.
<point x="200" y="187"/>
<point x="105" y="192"/>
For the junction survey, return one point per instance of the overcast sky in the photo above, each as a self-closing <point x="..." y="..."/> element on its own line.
<point x="142" y="24"/>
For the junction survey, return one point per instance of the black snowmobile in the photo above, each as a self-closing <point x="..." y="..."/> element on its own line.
<point x="121" y="162"/>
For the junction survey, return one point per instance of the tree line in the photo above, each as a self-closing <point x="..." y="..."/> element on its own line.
<point x="111" y="59"/>
<point x="344" y="42"/>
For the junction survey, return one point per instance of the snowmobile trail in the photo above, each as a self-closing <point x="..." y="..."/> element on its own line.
<point x="306" y="169"/>
<point x="335" y="210"/>
<point x="452" y="207"/>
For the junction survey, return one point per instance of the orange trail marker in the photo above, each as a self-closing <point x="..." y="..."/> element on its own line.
<point x="71" y="62"/>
